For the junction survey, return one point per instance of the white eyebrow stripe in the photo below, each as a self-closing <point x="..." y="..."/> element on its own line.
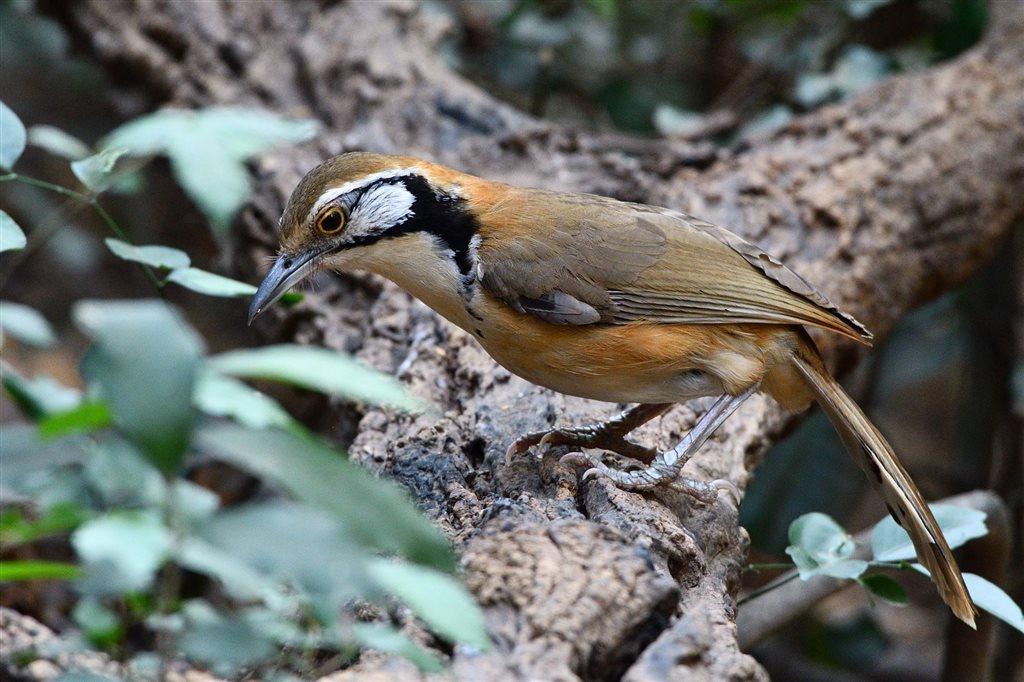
<point x="383" y="207"/>
<point x="333" y="193"/>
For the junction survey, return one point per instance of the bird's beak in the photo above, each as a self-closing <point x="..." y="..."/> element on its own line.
<point x="287" y="272"/>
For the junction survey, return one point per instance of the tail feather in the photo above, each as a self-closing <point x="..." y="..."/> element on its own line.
<point x="875" y="456"/>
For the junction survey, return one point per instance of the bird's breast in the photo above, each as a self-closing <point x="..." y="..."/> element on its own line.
<point x="639" y="362"/>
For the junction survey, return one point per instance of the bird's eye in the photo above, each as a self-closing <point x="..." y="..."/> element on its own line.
<point x="330" y="221"/>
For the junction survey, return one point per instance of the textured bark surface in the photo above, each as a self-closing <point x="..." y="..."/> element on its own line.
<point x="883" y="202"/>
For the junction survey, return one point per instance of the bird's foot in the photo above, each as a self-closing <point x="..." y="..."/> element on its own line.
<point x="585" y="437"/>
<point x="658" y="475"/>
<point x="609" y="435"/>
<point x="664" y="470"/>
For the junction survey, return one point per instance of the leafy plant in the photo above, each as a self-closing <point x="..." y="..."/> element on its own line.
<point x="105" y="467"/>
<point x="819" y="546"/>
<point x="224" y="137"/>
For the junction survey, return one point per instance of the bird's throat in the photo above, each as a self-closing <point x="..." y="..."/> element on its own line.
<point x="419" y="264"/>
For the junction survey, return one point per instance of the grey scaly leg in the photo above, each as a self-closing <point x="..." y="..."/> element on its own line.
<point x="666" y="467"/>
<point x="609" y="435"/>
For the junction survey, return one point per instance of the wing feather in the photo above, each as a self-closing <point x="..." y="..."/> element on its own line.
<point x="614" y="263"/>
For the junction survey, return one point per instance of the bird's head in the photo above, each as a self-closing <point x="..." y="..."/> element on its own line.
<point x="347" y="212"/>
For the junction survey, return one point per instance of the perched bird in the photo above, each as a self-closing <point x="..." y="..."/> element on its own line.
<point x="600" y="299"/>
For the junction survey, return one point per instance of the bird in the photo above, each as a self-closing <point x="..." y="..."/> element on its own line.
<point x="602" y="299"/>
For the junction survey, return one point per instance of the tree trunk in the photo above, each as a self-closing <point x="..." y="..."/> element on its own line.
<point x="883" y="201"/>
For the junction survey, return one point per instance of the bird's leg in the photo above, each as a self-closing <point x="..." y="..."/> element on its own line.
<point x="609" y="435"/>
<point x="666" y="466"/>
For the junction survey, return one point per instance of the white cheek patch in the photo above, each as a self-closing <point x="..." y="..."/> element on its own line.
<point x="381" y="208"/>
<point x="331" y="194"/>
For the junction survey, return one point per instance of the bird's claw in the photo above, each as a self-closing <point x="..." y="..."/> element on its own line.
<point x="703" y="491"/>
<point x="577" y="460"/>
<point x="543" y="440"/>
<point x="522" y="445"/>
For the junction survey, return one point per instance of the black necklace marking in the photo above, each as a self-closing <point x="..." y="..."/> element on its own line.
<point x="444" y="216"/>
<point x="441" y="215"/>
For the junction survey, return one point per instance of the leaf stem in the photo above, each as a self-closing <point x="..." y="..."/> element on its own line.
<point x="116" y="229"/>
<point x="36" y="182"/>
<point x="766" y="567"/>
<point x="169" y="586"/>
<point x="93" y="201"/>
<point x="767" y="588"/>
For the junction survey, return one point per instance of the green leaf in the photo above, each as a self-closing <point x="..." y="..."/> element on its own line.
<point x="11" y="571"/>
<point x="226" y="645"/>
<point x="990" y="597"/>
<point x="239" y="579"/>
<point x="767" y="121"/>
<point x="820" y="546"/>
<point x="89" y="416"/>
<point x="375" y="513"/>
<point x="58" y="142"/>
<point x="885" y="587"/>
<point x="208" y="150"/>
<point x="11" y="236"/>
<point x="672" y="122"/>
<point x="26" y="325"/>
<point x="216" y="182"/>
<point x="12" y="137"/>
<point x="889" y="542"/>
<point x="100" y="624"/>
<point x="246" y="132"/>
<point x="302" y="547"/>
<point x="387" y="638"/>
<point x="197" y="503"/>
<point x="55" y="520"/>
<point x="40" y="395"/>
<point x="209" y="283"/>
<point x="125" y="549"/>
<point x="22" y="451"/>
<point x="144" y="361"/>
<point x="317" y="369"/>
<point x="121" y="476"/>
<point x="97" y="172"/>
<point x="153" y="256"/>
<point x="242" y="132"/>
<point x="438" y="599"/>
<point x="221" y="396"/>
<point x="857" y="68"/>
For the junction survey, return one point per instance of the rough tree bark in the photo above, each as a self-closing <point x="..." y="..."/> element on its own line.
<point x="883" y="201"/>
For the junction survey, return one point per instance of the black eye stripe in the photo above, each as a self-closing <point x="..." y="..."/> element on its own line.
<point x="443" y="216"/>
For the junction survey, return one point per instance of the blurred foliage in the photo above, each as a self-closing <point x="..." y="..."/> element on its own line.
<point x="105" y="468"/>
<point x="632" y="65"/>
<point x="658" y="66"/>
<point x="819" y="546"/>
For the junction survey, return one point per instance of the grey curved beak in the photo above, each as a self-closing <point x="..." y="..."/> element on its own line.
<point x="286" y="273"/>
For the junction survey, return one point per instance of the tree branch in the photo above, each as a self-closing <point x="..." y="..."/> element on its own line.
<point x="884" y="201"/>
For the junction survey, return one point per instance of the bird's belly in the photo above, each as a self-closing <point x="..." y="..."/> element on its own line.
<point x="635" y="363"/>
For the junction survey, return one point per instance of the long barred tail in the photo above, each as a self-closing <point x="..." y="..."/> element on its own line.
<point x="874" y="455"/>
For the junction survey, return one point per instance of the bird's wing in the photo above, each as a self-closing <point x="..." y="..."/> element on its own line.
<point x="615" y="263"/>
